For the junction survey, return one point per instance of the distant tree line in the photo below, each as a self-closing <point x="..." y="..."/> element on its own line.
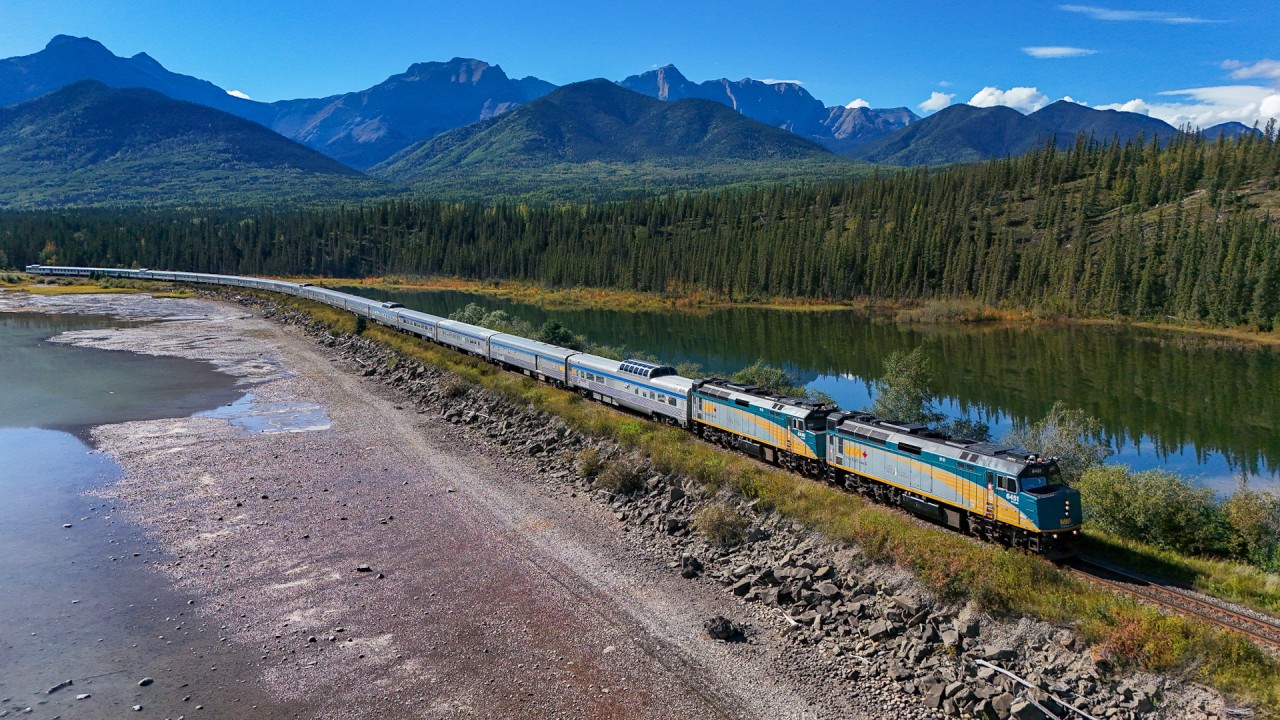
<point x="1135" y="229"/>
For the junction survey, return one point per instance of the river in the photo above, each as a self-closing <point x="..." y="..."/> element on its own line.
<point x="1198" y="406"/>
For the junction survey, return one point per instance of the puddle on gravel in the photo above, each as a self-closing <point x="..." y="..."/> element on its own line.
<point x="277" y="417"/>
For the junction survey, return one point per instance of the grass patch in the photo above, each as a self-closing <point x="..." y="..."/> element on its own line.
<point x="76" y="289"/>
<point x="588" y="462"/>
<point x="621" y="477"/>
<point x="721" y="525"/>
<point x="82" y="286"/>
<point x="1000" y="581"/>
<point x="1235" y="581"/>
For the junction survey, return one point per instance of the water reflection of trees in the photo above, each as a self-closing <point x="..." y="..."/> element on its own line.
<point x="1175" y="389"/>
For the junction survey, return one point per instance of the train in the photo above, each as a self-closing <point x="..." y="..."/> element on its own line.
<point x="999" y="493"/>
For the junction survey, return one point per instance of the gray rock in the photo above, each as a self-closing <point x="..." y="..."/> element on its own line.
<point x="879" y="630"/>
<point x="1025" y="710"/>
<point x="828" y="589"/>
<point x="968" y="628"/>
<point x="950" y="638"/>
<point x="908" y="605"/>
<point x="145" y="682"/>
<point x="740" y="588"/>
<point x="993" y="653"/>
<point x="1002" y="703"/>
<point x="933" y="697"/>
<point x="722" y="628"/>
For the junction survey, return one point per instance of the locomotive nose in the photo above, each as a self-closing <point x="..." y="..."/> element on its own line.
<point x="1059" y="510"/>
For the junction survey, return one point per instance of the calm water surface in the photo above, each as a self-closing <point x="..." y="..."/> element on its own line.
<point x="1200" y="407"/>
<point x="80" y="599"/>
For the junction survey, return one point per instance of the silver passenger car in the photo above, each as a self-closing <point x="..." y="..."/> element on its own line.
<point x="653" y="390"/>
<point x="536" y="359"/>
<point x="465" y="336"/>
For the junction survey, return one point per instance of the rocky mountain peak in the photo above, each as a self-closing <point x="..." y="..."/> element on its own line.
<point x="461" y="71"/>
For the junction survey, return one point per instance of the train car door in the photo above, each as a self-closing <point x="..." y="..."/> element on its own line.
<point x="795" y="435"/>
<point x="989" y="496"/>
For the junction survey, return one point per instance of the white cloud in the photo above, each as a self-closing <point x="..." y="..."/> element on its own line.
<point x="237" y="93"/>
<point x="1266" y="69"/>
<point x="1136" y="105"/>
<point x="1156" y="16"/>
<point x="936" y="101"/>
<point x="1207" y="106"/>
<point x="945" y="83"/>
<point x="776" y="81"/>
<point x="1024" y="99"/>
<point x="858" y="103"/>
<point x="1057" y="51"/>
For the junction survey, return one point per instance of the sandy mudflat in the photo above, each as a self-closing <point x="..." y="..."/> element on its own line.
<point x="488" y="594"/>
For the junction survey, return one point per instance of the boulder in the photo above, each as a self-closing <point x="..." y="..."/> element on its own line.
<point x="993" y="653"/>
<point x="968" y="628"/>
<point x="879" y="630"/>
<point x="722" y="628"/>
<point x="1002" y="704"/>
<point x="950" y="638"/>
<point x="1025" y="710"/>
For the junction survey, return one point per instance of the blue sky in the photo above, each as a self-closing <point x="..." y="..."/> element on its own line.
<point x="1204" y="62"/>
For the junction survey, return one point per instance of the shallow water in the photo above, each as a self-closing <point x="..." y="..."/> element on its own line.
<point x="62" y="387"/>
<point x="81" y="600"/>
<point x="272" y="417"/>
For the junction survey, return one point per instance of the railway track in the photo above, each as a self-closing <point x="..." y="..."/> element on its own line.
<point x="1179" y="600"/>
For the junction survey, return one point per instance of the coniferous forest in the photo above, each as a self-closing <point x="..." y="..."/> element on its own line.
<point x="1184" y="231"/>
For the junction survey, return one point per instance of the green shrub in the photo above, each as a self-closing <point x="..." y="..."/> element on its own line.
<point x="621" y="477"/>
<point x="454" y="387"/>
<point x="1157" y="507"/>
<point x="720" y="524"/>
<point x="589" y="462"/>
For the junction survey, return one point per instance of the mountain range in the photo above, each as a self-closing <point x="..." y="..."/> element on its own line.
<point x="598" y="121"/>
<point x="467" y="119"/>
<point x="785" y="105"/>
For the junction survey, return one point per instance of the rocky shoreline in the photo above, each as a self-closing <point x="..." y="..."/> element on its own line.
<point x="848" y="622"/>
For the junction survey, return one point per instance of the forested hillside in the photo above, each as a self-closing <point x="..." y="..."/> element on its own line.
<point x="88" y="144"/>
<point x="1185" y="231"/>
